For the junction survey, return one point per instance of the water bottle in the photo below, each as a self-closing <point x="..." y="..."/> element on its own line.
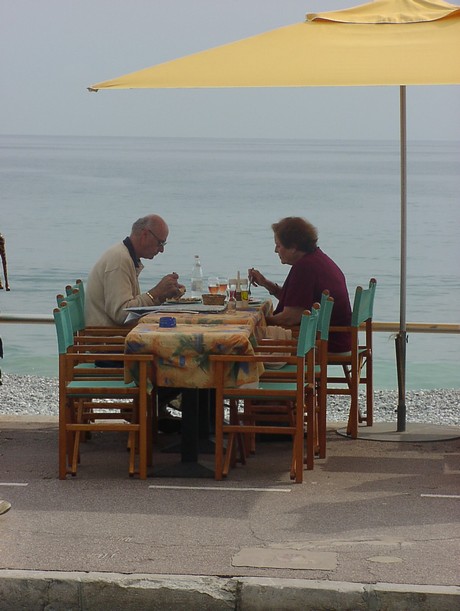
<point x="197" y="278"/>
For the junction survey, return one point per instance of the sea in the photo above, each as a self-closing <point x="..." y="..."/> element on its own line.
<point x="64" y="200"/>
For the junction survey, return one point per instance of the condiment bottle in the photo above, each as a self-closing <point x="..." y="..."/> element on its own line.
<point x="238" y="288"/>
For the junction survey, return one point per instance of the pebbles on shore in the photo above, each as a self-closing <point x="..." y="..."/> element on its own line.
<point x="24" y="395"/>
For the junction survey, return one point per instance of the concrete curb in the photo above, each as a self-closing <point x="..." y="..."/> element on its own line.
<point x="76" y="591"/>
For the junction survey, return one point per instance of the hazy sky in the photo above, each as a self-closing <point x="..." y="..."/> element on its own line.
<point x="51" y="50"/>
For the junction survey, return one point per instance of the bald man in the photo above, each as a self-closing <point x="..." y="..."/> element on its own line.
<point x="113" y="283"/>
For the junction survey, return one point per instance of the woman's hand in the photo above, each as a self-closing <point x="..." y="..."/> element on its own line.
<point x="256" y="278"/>
<point x="259" y="279"/>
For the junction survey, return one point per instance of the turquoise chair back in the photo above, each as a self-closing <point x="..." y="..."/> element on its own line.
<point x="324" y="316"/>
<point x="308" y="329"/>
<point x="80" y="287"/>
<point x="64" y="327"/>
<point x="363" y="305"/>
<point x="76" y="308"/>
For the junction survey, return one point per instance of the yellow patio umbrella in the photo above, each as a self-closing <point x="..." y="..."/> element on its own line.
<point x="386" y="42"/>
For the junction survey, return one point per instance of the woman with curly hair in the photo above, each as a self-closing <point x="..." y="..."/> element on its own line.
<point x="312" y="271"/>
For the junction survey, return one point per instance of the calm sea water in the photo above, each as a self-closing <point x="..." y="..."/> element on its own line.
<point x="66" y="199"/>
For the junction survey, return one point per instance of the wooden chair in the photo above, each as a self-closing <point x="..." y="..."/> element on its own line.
<point x="78" y="409"/>
<point x="75" y="298"/>
<point x="288" y="371"/>
<point x="300" y="394"/>
<point x="357" y="365"/>
<point x="111" y="337"/>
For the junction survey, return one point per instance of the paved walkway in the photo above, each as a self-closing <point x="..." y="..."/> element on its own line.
<point x="374" y="526"/>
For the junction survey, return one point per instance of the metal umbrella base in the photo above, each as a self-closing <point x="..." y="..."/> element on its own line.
<point x="387" y="431"/>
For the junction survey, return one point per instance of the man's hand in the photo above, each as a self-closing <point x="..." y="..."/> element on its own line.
<point x="168" y="287"/>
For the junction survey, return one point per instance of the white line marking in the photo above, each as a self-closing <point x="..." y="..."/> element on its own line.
<point x="12" y="484"/>
<point x="443" y="496"/>
<point x="222" y="488"/>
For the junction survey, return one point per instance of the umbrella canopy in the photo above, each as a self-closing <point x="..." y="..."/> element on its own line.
<point x="386" y="42"/>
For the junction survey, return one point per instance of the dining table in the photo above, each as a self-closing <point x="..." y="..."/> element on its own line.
<point x="180" y="356"/>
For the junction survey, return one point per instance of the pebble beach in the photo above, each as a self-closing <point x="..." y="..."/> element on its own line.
<point x="24" y="395"/>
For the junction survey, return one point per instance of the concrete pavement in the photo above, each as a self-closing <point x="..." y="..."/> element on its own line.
<point x="374" y="526"/>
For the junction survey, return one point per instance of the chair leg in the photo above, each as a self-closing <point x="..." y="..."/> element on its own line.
<point x="249" y="438"/>
<point x="310" y="407"/>
<point x="64" y="437"/>
<point x="352" y="379"/>
<point x="231" y="454"/>
<point x="317" y="427"/>
<point x="292" y="473"/>
<point x="70" y="441"/>
<point x="219" y="442"/>
<point x="132" y="452"/>
<point x="75" y="453"/>
<point x="296" y="471"/>
<point x="142" y="434"/>
<point x="299" y="441"/>
<point x="230" y="458"/>
<point x="352" y="426"/>
<point x="228" y="454"/>
<point x="347" y="374"/>
<point x="150" y="428"/>
<point x="241" y="443"/>
<point x="362" y="363"/>
<point x="321" y="419"/>
<point x="369" y="391"/>
<point x="77" y="437"/>
<point x="242" y="448"/>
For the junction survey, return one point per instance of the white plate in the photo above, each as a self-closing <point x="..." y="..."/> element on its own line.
<point x="183" y="300"/>
<point x="190" y="308"/>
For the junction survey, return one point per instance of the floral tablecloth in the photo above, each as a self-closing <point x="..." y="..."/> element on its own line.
<point x="181" y="354"/>
<point x="254" y="316"/>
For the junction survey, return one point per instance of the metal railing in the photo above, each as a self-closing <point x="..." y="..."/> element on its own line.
<point x="417" y="327"/>
<point x="28" y="319"/>
<point x="385" y="327"/>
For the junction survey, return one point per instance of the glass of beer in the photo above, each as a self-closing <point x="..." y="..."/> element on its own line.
<point x="213" y="285"/>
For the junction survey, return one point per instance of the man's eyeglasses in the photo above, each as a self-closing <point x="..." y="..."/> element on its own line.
<point x="160" y="242"/>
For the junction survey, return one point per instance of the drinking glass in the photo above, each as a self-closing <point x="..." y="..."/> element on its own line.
<point x="213" y="285"/>
<point x="244" y="293"/>
<point x="223" y="285"/>
<point x="232" y="289"/>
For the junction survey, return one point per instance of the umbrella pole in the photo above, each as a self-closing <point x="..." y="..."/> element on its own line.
<point x="401" y="338"/>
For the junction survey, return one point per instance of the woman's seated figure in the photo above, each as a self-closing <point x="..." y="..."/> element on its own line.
<point x="312" y="271"/>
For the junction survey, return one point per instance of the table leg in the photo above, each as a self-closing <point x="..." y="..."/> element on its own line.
<point x="189" y="465"/>
<point x="206" y="401"/>
<point x="190" y="425"/>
